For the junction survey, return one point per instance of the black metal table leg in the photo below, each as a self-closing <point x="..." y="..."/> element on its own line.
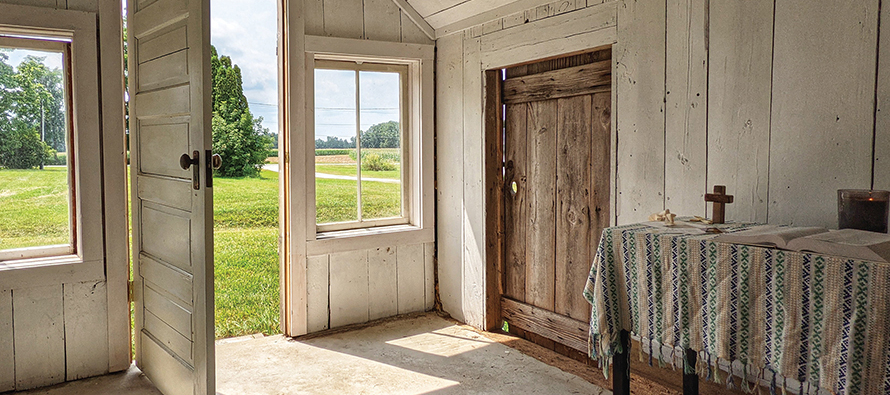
<point x="621" y="367"/>
<point x="690" y="380"/>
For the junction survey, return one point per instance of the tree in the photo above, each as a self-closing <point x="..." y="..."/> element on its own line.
<point x="7" y="88"/>
<point x="381" y="135"/>
<point x="238" y="137"/>
<point x="22" y="93"/>
<point x="335" y="142"/>
<point x="39" y="100"/>
<point x="20" y="146"/>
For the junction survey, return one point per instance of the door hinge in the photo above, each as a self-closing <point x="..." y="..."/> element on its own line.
<point x="129" y="291"/>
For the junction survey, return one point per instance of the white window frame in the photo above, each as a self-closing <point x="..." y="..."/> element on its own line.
<point x="359" y="65"/>
<point x="417" y="148"/>
<point x="83" y="258"/>
<point x="61" y="46"/>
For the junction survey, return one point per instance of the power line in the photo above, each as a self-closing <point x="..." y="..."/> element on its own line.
<point x="343" y="124"/>
<point x="353" y="109"/>
<point x="331" y="108"/>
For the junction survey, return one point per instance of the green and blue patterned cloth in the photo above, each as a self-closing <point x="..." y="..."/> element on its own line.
<point x="818" y="319"/>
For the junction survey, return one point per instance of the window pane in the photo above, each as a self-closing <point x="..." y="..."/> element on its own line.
<point x="336" y="187"/>
<point x="381" y="139"/>
<point x="35" y="197"/>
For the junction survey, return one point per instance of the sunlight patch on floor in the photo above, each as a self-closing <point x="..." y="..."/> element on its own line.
<point x="440" y="344"/>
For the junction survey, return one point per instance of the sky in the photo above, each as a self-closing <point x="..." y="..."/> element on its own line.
<point x="246" y="30"/>
<point x="52" y="61"/>
<point x="335" y="101"/>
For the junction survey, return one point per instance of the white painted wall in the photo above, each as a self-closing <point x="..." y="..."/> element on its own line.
<point x="354" y="287"/>
<point x="379" y="20"/>
<point x="777" y="105"/>
<point x="356" y="284"/>
<point x="72" y="321"/>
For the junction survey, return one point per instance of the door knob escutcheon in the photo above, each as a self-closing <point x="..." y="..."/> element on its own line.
<point x="185" y="161"/>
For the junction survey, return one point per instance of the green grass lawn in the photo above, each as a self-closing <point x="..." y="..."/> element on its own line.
<point x="335" y="200"/>
<point x="33" y="207"/>
<point x="246" y="276"/>
<point x="349" y="170"/>
<point x="33" y="211"/>
<point x="245" y="217"/>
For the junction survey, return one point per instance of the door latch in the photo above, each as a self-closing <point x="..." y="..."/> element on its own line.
<point x="212" y="162"/>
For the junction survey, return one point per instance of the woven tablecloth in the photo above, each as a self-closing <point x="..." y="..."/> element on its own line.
<point x="818" y="319"/>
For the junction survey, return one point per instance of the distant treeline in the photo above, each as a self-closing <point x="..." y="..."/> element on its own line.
<point x="381" y="135"/>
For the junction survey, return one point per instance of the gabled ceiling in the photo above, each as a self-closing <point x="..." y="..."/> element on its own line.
<point x="449" y="16"/>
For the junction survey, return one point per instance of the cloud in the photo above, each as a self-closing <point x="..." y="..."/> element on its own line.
<point x="247" y="30"/>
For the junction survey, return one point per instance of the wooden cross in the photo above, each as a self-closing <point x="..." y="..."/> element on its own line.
<point x="720" y="199"/>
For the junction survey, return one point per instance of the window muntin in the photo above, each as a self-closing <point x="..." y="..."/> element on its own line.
<point x="36" y="181"/>
<point x="361" y="106"/>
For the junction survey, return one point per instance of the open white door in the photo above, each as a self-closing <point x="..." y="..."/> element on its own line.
<point x="172" y="199"/>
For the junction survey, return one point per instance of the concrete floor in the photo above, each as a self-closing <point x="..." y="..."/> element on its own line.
<point x="420" y="355"/>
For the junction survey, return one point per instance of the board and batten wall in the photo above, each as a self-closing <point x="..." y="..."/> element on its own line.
<point x="348" y="285"/>
<point x="64" y="323"/>
<point x="364" y="285"/>
<point x="782" y="101"/>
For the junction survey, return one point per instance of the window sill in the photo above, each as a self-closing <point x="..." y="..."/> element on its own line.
<point x="38" y="272"/>
<point x="367" y="238"/>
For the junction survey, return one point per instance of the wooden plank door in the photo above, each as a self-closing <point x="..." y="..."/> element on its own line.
<point x="556" y="203"/>
<point x="169" y="85"/>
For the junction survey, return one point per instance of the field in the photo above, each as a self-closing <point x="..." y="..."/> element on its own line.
<point x="33" y="207"/>
<point x="33" y="211"/>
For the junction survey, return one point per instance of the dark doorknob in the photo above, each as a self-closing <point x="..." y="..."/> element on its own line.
<point x="185" y="161"/>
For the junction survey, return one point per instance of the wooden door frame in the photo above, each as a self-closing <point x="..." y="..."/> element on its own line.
<point x="494" y="198"/>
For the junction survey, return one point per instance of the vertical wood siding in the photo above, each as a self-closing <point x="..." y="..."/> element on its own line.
<point x="62" y="331"/>
<point x="53" y="333"/>
<point x="823" y="107"/>
<point x="379" y="20"/>
<point x="740" y="58"/>
<point x="359" y="286"/>
<point x="449" y="171"/>
<point x="7" y="350"/>
<point x="882" y="110"/>
<point x="783" y="101"/>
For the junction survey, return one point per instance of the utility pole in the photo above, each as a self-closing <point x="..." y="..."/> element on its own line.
<point x="42" y="133"/>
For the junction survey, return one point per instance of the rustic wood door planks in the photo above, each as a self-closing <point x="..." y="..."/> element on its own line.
<point x="556" y="154"/>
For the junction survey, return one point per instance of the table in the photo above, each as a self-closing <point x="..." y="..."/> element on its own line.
<point x="821" y="320"/>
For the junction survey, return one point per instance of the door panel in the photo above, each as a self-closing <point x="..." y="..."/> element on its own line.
<point x="164" y="71"/>
<point x="176" y="281"/>
<point x="156" y="142"/>
<point x="173" y="375"/>
<point x="174" y="194"/>
<point x="162" y="44"/>
<point x="172" y="216"/>
<point x="163" y="102"/>
<point x="169" y="337"/>
<point x="166" y="236"/>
